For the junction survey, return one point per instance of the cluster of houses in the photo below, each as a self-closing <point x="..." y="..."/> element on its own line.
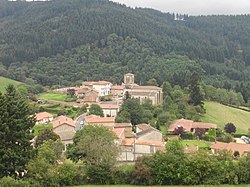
<point x="91" y="92"/>
<point x="145" y="140"/>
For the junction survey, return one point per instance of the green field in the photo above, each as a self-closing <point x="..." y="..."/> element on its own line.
<point x="160" y="186"/>
<point x="199" y="143"/>
<point x="4" y="82"/>
<point x="37" y="128"/>
<point x="53" y="96"/>
<point x="221" y="114"/>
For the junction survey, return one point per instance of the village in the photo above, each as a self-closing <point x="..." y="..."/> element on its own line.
<point x="144" y="139"/>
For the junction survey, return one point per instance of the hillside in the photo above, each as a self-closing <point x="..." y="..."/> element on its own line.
<point x="221" y="114"/>
<point x="63" y="41"/>
<point x="4" y="82"/>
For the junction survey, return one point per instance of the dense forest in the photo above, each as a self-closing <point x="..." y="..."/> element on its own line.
<point x="61" y="42"/>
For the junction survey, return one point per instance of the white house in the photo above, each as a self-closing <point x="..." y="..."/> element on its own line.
<point x="102" y="87"/>
<point x="110" y="110"/>
<point x="43" y="117"/>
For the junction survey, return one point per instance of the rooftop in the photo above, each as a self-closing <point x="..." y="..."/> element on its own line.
<point x="189" y="124"/>
<point x="232" y="146"/>
<point x="99" y="120"/>
<point x="43" y="115"/>
<point x="63" y="120"/>
<point x="109" y="106"/>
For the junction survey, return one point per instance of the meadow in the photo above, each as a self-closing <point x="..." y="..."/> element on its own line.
<point x="199" y="143"/>
<point x="53" y="96"/>
<point x="4" y="82"/>
<point x="221" y="114"/>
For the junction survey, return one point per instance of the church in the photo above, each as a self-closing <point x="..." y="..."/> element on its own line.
<point x="154" y="93"/>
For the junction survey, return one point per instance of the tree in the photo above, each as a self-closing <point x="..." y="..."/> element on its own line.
<point x="152" y="82"/>
<point x="196" y="97"/>
<point x="133" y="107"/>
<point x="96" y="110"/>
<point x="179" y="130"/>
<point x="15" y="125"/>
<point x="94" y="145"/>
<point x="44" y="135"/>
<point x="42" y="170"/>
<point x="199" y="132"/>
<point x="175" y="147"/>
<point x="230" y="128"/>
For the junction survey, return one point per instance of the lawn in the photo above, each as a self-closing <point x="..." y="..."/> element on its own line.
<point x="37" y="128"/>
<point x="160" y="186"/>
<point x="199" y="143"/>
<point x="221" y="114"/>
<point x="53" y="96"/>
<point x="4" y="82"/>
<point x="55" y="108"/>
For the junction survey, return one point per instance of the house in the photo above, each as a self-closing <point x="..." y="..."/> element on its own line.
<point x="65" y="128"/>
<point x="147" y="132"/>
<point x="81" y="92"/>
<point x="146" y="140"/>
<point x="117" y="90"/>
<point x="190" y="126"/>
<point x="43" y="117"/>
<point x="91" y="97"/>
<point x="232" y="147"/>
<point x="110" y="110"/>
<point x="97" y="120"/>
<point x="154" y="93"/>
<point x="102" y="87"/>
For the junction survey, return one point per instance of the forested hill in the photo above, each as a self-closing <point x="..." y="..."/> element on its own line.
<point x="99" y="39"/>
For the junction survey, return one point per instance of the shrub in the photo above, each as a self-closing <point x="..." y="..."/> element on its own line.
<point x="67" y="174"/>
<point x="10" y="182"/>
<point x="122" y="174"/>
<point x="188" y="136"/>
<point x="141" y="174"/>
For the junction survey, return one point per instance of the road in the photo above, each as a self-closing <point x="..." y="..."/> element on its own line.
<point x="79" y="121"/>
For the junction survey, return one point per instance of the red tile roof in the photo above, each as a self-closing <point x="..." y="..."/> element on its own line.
<point x="99" y="120"/>
<point x="63" y="120"/>
<point x="109" y="106"/>
<point x="91" y="96"/>
<point x="118" y="131"/>
<point x="117" y="87"/>
<point x="43" y="115"/>
<point x="96" y="83"/>
<point x="150" y="142"/>
<point x="189" y="124"/>
<point x="232" y="146"/>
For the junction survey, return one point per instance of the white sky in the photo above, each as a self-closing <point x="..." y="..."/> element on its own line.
<point x="193" y="7"/>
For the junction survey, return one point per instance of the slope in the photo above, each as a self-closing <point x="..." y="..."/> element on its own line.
<point x="221" y="114"/>
<point x="4" y="82"/>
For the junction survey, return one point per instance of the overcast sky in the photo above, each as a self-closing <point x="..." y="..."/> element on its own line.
<point x="194" y="7"/>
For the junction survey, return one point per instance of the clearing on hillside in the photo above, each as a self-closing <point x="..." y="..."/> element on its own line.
<point x="221" y="114"/>
<point x="4" y="82"/>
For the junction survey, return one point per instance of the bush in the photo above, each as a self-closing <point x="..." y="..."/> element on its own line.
<point x="122" y="174"/>
<point x="67" y="174"/>
<point x="141" y="174"/>
<point x="188" y="136"/>
<point x="225" y="138"/>
<point x="10" y="182"/>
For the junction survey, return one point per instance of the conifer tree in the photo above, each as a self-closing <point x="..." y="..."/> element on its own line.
<point x="15" y="136"/>
<point x="196" y="97"/>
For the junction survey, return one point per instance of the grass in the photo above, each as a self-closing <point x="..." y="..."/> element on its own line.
<point x="4" y="82"/>
<point x="37" y="128"/>
<point x="55" y="108"/>
<point x="160" y="186"/>
<point x="199" y="143"/>
<point x="53" y="96"/>
<point x="220" y="114"/>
